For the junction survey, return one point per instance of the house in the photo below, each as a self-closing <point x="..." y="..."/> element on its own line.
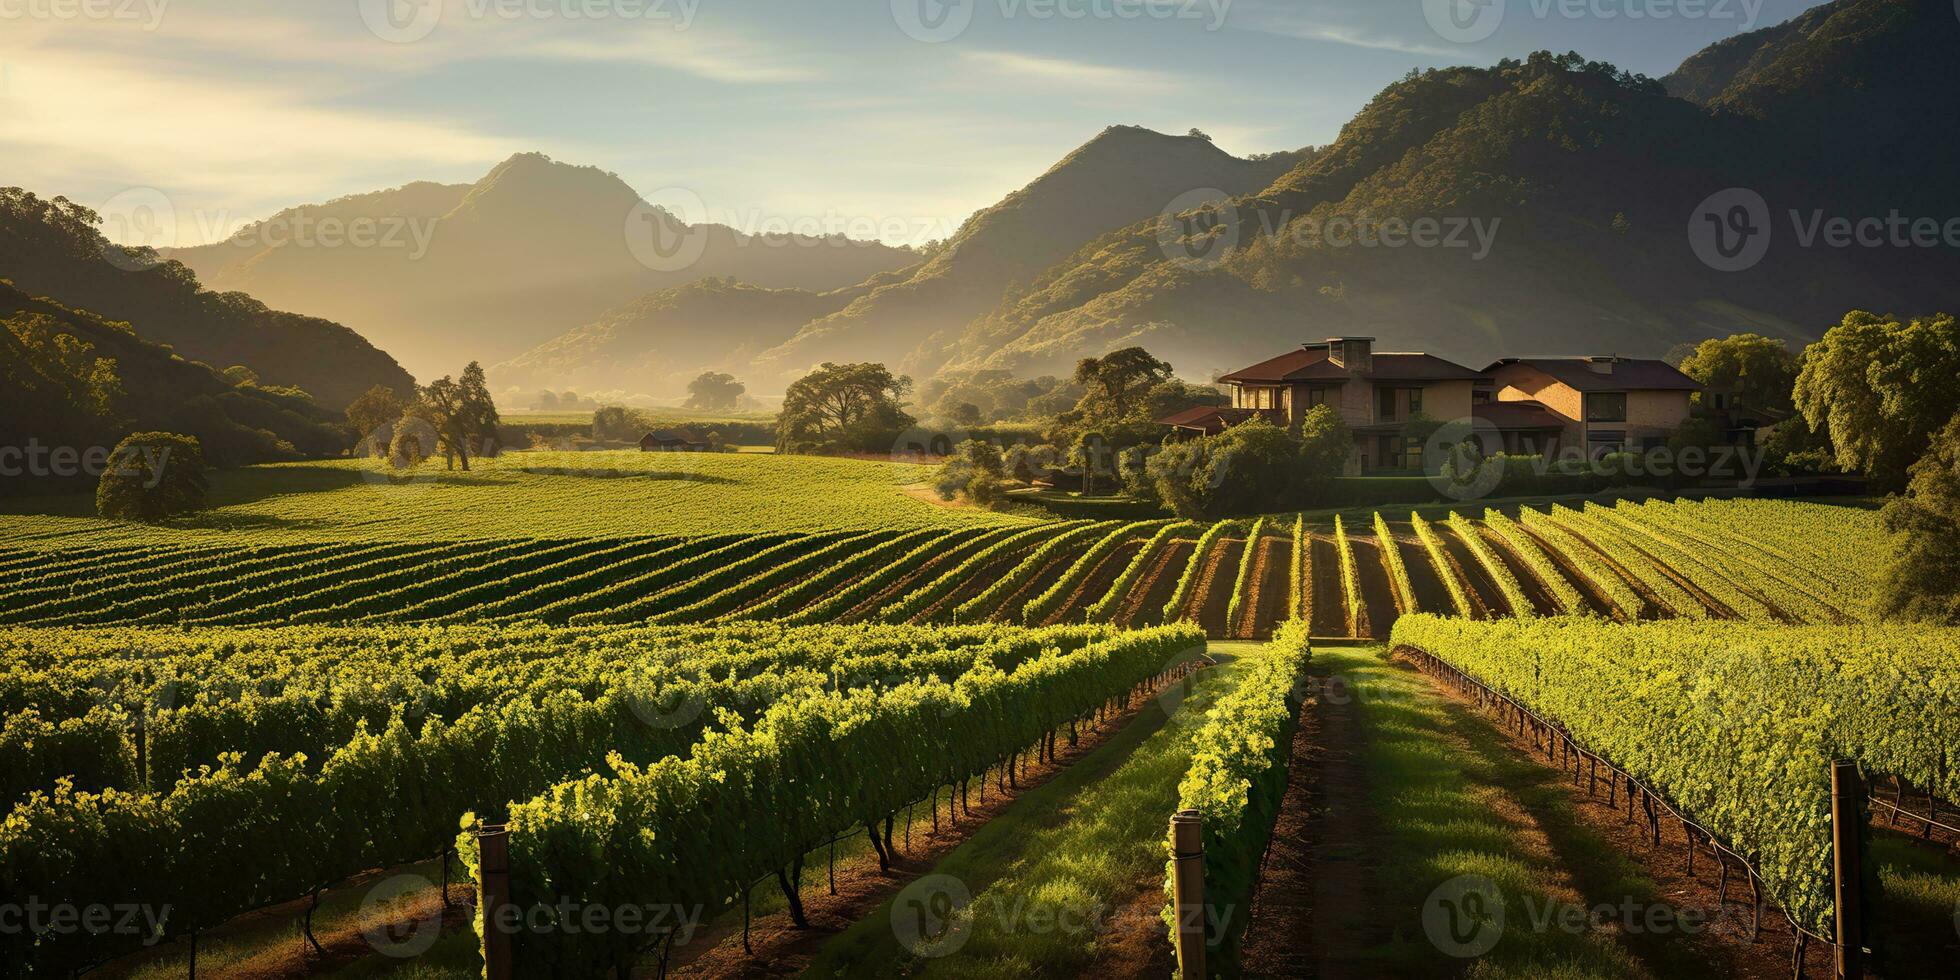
<point x="1518" y="405"/>
<point x="1375" y="392"/>
<point x="1600" y="405"/>
<point x="673" y="441"/>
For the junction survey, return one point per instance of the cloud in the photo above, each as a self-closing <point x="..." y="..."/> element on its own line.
<point x="728" y="60"/>
<point x="90" y="126"/>
<point x="1330" y="24"/>
<point x="1078" y="74"/>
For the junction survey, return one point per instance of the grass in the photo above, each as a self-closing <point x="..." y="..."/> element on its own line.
<point x="1453" y="803"/>
<point x="273" y="944"/>
<point x="1919" y="905"/>
<point x="518" y="495"/>
<point x="1061" y="865"/>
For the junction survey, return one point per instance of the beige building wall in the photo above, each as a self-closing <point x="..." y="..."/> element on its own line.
<point x="1655" y="414"/>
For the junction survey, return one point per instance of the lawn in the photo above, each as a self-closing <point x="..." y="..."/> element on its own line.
<point x="518" y="495"/>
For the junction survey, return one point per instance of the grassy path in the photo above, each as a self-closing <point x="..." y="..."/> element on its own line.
<point x="1421" y="825"/>
<point x="1067" y="883"/>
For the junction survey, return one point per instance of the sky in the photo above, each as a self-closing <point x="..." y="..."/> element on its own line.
<point x="892" y="119"/>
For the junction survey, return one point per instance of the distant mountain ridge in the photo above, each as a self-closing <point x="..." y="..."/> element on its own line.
<point x="532" y="249"/>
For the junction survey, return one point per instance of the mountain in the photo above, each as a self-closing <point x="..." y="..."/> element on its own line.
<point x="1124" y="174"/>
<point x="1586" y="182"/>
<point x="485" y="271"/>
<point x="53" y="248"/>
<point x="658" y="343"/>
<point x="70" y="378"/>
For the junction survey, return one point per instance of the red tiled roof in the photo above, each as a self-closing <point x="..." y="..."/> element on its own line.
<point x="1629" y="373"/>
<point x="1518" y="415"/>
<point x="1310" y="364"/>
<point x="1211" y="419"/>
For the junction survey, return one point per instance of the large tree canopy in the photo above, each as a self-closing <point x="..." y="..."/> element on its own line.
<point x="462" y="414"/>
<point x="714" y="391"/>
<point x="1881" y="388"/>
<point x="1755" y="370"/>
<point x="1924" y="580"/>
<point x="844" y="406"/>
<point x="1116" y="383"/>
<point x="151" y="476"/>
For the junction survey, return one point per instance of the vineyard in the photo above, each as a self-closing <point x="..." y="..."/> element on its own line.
<point x="608" y="719"/>
<point x="1757" y="561"/>
<point x="308" y="755"/>
<point x="1731" y="729"/>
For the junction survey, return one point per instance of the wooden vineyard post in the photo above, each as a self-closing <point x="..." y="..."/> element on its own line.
<point x="1847" y="819"/>
<point x="1188" y="862"/>
<point x="493" y="872"/>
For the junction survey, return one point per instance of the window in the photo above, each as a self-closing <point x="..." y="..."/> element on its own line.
<point x="1603" y="441"/>
<point x="1386" y="397"/>
<point x="1606" y="406"/>
<point x="1415" y="401"/>
<point x="1316" y="396"/>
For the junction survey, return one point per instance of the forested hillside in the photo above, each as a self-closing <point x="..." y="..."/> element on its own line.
<point x="70" y="378"/>
<point x="53" y="248"/>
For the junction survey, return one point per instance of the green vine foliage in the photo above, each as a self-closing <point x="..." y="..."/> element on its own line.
<point x="1236" y="781"/>
<point x="692" y="831"/>
<point x="1735" y="723"/>
<point x="1188" y="581"/>
<point x="283" y="760"/>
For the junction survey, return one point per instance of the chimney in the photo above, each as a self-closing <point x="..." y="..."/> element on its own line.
<point x="1602" y="363"/>
<point x="1354" y="353"/>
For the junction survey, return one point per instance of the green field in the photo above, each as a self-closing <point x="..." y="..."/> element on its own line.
<point x="517" y="495"/>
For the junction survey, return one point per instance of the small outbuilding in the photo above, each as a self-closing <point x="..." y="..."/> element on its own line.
<point x="673" y="441"/>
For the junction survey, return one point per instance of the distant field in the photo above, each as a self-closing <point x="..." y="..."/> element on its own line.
<point x="658" y="416"/>
<point x="520" y="495"/>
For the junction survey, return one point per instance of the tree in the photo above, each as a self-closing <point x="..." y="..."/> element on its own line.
<point x="413" y="440"/>
<point x="372" y="416"/>
<point x="151" y="476"/>
<point x="1923" y="581"/>
<point x="1092" y="454"/>
<point x="843" y="406"/>
<point x="1325" y="445"/>
<point x="1880" y="389"/>
<point x="239" y="374"/>
<point x="1753" y="369"/>
<point x="975" y="470"/>
<point x="1115" y="383"/>
<point x="1252" y="467"/>
<point x="462" y="414"/>
<point x="616" y="424"/>
<point x="714" y="391"/>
